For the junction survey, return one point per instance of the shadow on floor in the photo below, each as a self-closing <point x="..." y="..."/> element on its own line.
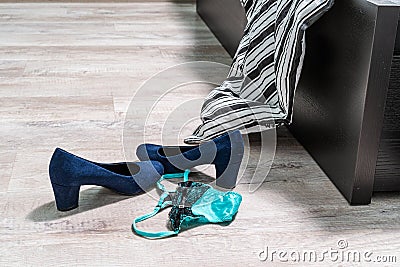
<point x="300" y="183"/>
<point x="205" y="48"/>
<point x="89" y="199"/>
<point x="93" y="198"/>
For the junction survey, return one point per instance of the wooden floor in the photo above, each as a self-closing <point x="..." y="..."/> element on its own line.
<point x="67" y="73"/>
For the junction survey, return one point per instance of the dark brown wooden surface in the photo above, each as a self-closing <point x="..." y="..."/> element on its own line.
<point x="387" y="173"/>
<point x="397" y="45"/>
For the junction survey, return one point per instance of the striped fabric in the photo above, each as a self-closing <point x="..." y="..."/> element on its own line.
<point x="258" y="93"/>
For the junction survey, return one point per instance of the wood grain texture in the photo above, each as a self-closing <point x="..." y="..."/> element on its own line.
<point x="387" y="173"/>
<point x="74" y="92"/>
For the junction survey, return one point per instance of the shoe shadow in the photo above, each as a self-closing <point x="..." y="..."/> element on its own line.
<point x="89" y="199"/>
<point x="201" y="177"/>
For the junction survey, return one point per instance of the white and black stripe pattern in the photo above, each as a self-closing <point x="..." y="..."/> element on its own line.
<point x="260" y="87"/>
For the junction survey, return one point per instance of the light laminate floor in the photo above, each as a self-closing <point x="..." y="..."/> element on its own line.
<point x="67" y="74"/>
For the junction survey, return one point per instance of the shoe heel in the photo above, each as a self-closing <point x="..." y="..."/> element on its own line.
<point x="227" y="163"/>
<point x="67" y="197"/>
<point x="227" y="176"/>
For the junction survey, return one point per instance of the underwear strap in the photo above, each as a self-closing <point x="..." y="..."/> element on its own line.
<point x="161" y="205"/>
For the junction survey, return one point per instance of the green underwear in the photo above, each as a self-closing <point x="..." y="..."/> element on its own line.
<point x="193" y="204"/>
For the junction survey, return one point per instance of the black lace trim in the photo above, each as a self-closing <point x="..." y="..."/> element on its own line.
<point x="177" y="215"/>
<point x="185" y="196"/>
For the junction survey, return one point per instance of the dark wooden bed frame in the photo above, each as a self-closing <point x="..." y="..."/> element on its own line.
<point x="347" y="104"/>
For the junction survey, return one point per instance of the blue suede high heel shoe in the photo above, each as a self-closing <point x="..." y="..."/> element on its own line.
<point x="68" y="172"/>
<point x="225" y="152"/>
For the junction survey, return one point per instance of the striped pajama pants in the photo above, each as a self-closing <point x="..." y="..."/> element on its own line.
<point x="259" y="90"/>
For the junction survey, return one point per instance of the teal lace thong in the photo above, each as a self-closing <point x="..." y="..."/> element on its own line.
<point x="193" y="203"/>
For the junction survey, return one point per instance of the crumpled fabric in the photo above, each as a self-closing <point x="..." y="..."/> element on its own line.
<point x="197" y="203"/>
<point x="259" y="90"/>
<point x="193" y="204"/>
